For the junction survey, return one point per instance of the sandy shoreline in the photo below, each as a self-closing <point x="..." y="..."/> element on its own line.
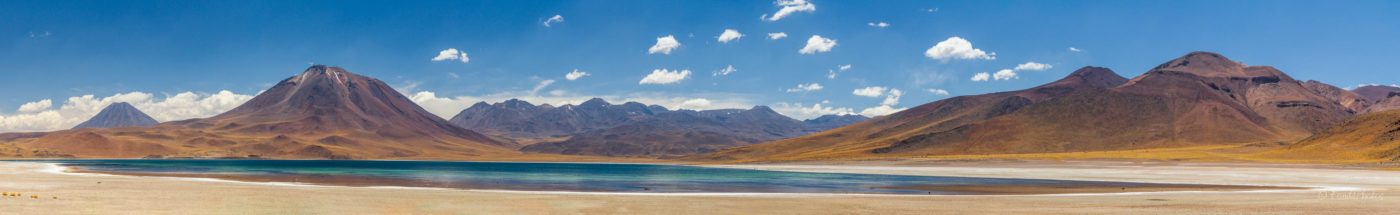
<point x="1348" y="192"/>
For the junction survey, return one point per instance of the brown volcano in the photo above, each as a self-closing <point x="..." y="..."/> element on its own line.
<point x="1198" y="99"/>
<point x="324" y="112"/>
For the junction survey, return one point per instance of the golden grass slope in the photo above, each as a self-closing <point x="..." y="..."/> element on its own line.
<point x="1368" y="138"/>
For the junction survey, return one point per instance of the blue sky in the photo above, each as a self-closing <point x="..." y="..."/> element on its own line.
<point x="63" y="50"/>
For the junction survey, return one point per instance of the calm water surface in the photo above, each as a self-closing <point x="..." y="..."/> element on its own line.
<point x="547" y="176"/>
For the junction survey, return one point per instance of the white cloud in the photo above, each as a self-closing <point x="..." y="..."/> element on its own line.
<point x="788" y="7"/>
<point x="575" y="75"/>
<point x="801" y="112"/>
<point x="869" y="91"/>
<point x="938" y="92"/>
<point x="805" y="88"/>
<point x="817" y="44"/>
<point x="887" y="106"/>
<point x="447" y="107"/>
<point x="1073" y="49"/>
<point x="33" y="107"/>
<point x="729" y="35"/>
<point x="451" y="54"/>
<point x="1005" y="74"/>
<point x="982" y="76"/>
<point x="878" y="24"/>
<point x="831" y="74"/>
<point x="957" y="48"/>
<point x="663" y="76"/>
<point x="893" y="98"/>
<point x="726" y="70"/>
<point x="453" y="75"/>
<point x="555" y="19"/>
<point x="74" y="110"/>
<point x="775" y="36"/>
<point x="695" y="104"/>
<point x="664" y="45"/>
<point x="880" y="111"/>
<point x="1033" y="66"/>
<point x="541" y="86"/>
<point x="931" y="10"/>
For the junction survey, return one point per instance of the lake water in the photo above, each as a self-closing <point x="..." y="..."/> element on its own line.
<point x="586" y="177"/>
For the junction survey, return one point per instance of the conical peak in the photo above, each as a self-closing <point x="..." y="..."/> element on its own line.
<point x="1201" y="63"/>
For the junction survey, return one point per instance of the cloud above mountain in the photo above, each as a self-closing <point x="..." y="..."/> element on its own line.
<point x="957" y="48"/>
<point x="43" y="116"/>
<point x="664" y="76"/>
<point x="452" y="54"/>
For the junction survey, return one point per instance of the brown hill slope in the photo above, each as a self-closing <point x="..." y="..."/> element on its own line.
<point x="324" y="112"/>
<point x="1368" y="138"/>
<point x="1198" y="99"/>
<point x="860" y="139"/>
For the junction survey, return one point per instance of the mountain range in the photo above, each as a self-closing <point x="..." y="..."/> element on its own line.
<point x="596" y="127"/>
<point x="323" y="113"/>
<point x="120" y="114"/>
<point x="1201" y="98"/>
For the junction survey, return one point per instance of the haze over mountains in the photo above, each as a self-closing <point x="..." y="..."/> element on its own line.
<point x="1198" y="99"/>
<point x="120" y="114"/>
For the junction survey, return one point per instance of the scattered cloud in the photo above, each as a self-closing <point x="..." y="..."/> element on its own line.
<point x="664" y="76"/>
<point x="1033" y="66"/>
<point x="893" y="98"/>
<point x="805" y="88"/>
<point x="788" y="7"/>
<point x="817" y="44"/>
<point x="801" y="112"/>
<point x="931" y="10"/>
<point x="880" y="111"/>
<point x="870" y="91"/>
<point x="40" y="34"/>
<point x="886" y="106"/>
<point x="541" y="86"/>
<point x="33" y="107"/>
<point x="575" y="75"/>
<point x="453" y="75"/>
<point x="1005" y="74"/>
<point x="775" y="36"/>
<point x="729" y="35"/>
<point x="726" y="70"/>
<point x="1073" y="49"/>
<point x="448" y="106"/>
<point x="554" y="19"/>
<point x="831" y="74"/>
<point x="1008" y="74"/>
<point x="957" y="48"/>
<point x="981" y="76"/>
<point x="664" y="45"/>
<point x="938" y="92"/>
<point x="878" y="24"/>
<point x="695" y="104"/>
<point x="451" y="54"/>
<point x="43" y="116"/>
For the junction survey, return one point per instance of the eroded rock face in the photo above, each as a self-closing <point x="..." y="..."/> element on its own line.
<point x="120" y="114"/>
